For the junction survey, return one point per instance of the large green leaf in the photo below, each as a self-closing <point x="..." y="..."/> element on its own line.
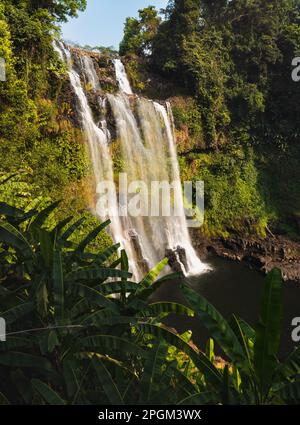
<point x="226" y="386"/>
<point x="199" y="399"/>
<point x="268" y="331"/>
<point x="14" y="215"/>
<point x="93" y="296"/>
<point x="291" y="365"/>
<point x="71" y="378"/>
<point x="80" y="307"/>
<point x="217" y="326"/>
<point x="101" y="258"/>
<point x="58" y="284"/>
<point x="58" y="228"/>
<point x="10" y="211"/>
<point x="12" y="237"/>
<point x="3" y="400"/>
<point x="210" y="350"/>
<point x="26" y="216"/>
<point x="109" y="387"/>
<point x="46" y="243"/>
<point x="105" y="344"/>
<point x="210" y="372"/>
<point x="152" y="275"/>
<point x="69" y="232"/>
<point x="49" y="395"/>
<point x="246" y="337"/>
<point x="115" y="263"/>
<point x="153" y="369"/>
<point x="20" y="359"/>
<point x="105" y="317"/>
<point x="43" y="215"/>
<point x="13" y="342"/>
<point x="164" y="309"/>
<point x="111" y="288"/>
<point x="17" y="312"/>
<point x="95" y="273"/>
<point x="124" y="261"/>
<point x="22" y="384"/>
<point x="247" y="330"/>
<point x="90" y="237"/>
<point x="145" y="293"/>
<point x="290" y="393"/>
<point x="125" y="268"/>
<point x="36" y="284"/>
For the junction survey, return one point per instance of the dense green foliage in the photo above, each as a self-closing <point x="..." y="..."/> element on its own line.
<point x="232" y="199"/>
<point x="39" y="139"/>
<point x="235" y="57"/>
<point x="240" y="132"/>
<point x="73" y="337"/>
<point x="60" y="10"/>
<point x="139" y="33"/>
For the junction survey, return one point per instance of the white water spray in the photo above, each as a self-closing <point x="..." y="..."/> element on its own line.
<point x="148" y="149"/>
<point x="121" y="77"/>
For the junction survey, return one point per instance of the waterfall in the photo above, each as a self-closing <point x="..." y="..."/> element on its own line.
<point x="89" y="71"/>
<point x="148" y="152"/>
<point x="122" y="77"/>
<point x="63" y="52"/>
<point x="179" y="234"/>
<point x="98" y="148"/>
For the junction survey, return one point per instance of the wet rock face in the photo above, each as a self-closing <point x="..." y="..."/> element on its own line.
<point x="177" y="259"/>
<point x="103" y="64"/>
<point x="66" y="97"/>
<point x="263" y="254"/>
<point x="142" y="262"/>
<point x="97" y="99"/>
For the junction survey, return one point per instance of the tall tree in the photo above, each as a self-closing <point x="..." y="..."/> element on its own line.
<point x="139" y="33"/>
<point x="183" y="23"/>
<point x="59" y="9"/>
<point x="235" y="57"/>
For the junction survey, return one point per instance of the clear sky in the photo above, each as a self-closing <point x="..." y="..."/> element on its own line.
<point x="102" y="22"/>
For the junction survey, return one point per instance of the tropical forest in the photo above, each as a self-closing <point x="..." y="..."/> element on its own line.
<point x="149" y="202"/>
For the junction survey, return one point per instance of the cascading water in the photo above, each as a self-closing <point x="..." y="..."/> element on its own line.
<point x="89" y="71"/>
<point x="149" y="153"/>
<point x="122" y="77"/>
<point x="98" y="147"/>
<point x="179" y="234"/>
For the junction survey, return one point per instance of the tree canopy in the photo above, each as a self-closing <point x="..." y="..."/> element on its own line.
<point x="139" y="33"/>
<point x="59" y="9"/>
<point x="234" y="57"/>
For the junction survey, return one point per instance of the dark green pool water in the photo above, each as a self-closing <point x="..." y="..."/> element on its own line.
<point x="233" y="288"/>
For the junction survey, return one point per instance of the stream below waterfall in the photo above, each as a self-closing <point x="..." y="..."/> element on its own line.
<point x="232" y="288"/>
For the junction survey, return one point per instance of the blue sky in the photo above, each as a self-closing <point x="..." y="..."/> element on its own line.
<point x="103" y="21"/>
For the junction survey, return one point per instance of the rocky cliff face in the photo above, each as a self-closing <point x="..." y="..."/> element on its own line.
<point x="262" y="251"/>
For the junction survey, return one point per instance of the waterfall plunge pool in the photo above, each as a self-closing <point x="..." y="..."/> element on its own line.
<point x="232" y="288"/>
